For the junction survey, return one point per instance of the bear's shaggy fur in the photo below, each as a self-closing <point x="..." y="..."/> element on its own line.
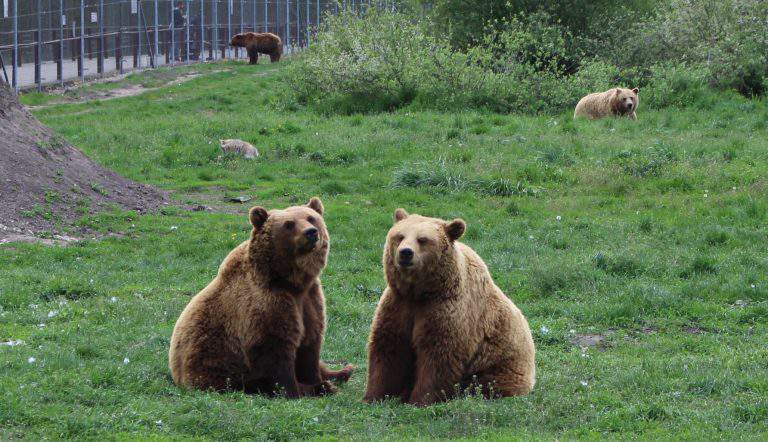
<point x="259" y="325"/>
<point x="257" y="42"/>
<point x="442" y="326"/>
<point x="614" y="102"/>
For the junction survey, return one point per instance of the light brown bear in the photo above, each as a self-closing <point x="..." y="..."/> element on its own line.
<point x="259" y="325"/>
<point x="617" y="102"/>
<point x="442" y="326"/>
<point x="259" y="42"/>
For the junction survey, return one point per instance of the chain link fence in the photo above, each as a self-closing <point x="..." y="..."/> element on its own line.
<point x="44" y="42"/>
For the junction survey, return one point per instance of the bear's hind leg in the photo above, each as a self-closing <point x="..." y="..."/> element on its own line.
<point x="504" y="384"/>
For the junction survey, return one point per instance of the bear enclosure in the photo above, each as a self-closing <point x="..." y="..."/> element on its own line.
<point x="53" y="41"/>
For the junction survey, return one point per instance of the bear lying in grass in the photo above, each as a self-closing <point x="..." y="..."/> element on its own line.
<point x="259" y="325"/>
<point x="255" y="43"/>
<point x="442" y="326"/>
<point x="617" y="102"/>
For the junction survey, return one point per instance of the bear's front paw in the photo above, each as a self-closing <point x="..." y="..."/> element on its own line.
<point x="345" y="373"/>
<point x="324" y="388"/>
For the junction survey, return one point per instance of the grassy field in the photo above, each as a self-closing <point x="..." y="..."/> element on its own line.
<point x="645" y="238"/>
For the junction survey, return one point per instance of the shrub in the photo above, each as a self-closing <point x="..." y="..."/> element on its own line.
<point x="383" y="60"/>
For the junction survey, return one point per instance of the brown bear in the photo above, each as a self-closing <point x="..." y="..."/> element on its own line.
<point x="614" y="102"/>
<point x="257" y="42"/>
<point x="259" y="325"/>
<point x="442" y="326"/>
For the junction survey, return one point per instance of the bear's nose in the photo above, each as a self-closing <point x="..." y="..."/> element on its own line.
<point x="311" y="234"/>
<point x="406" y="254"/>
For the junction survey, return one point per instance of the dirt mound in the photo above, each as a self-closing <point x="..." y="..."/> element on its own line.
<point x="46" y="184"/>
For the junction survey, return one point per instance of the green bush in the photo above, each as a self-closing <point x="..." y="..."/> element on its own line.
<point x="383" y="61"/>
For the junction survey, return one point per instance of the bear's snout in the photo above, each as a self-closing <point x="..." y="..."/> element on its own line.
<point x="405" y="257"/>
<point x="311" y="234"/>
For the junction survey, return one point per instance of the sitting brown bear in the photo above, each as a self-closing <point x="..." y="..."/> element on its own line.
<point x="442" y="325"/>
<point x="259" y="325"/>
<point x="255" y="43"/>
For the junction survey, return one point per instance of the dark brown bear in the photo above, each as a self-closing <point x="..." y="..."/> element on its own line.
<point x="259" y="325"/>
<point x="255" y="43"/>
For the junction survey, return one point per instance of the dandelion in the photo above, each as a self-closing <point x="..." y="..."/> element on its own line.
<point x="126" y="361"/>
<point x="558" y="217"/>
<point x="544" y="329"/>
<point x="113" y="299"/>
<point x="174" y="227"/>
<point x="584" y="383"/>
<point x="530" y="236"/>
<point x="52" y="313"/>
<point x="31" y="360"/>
<point x="41" y="325"/>
<point x="752" y="285"/>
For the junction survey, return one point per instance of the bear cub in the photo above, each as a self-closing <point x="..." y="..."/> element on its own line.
<point x="259" y="325"/>
<point x="442" y="326"/>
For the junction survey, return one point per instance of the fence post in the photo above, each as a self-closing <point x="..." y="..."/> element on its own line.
<point x="215" y="30"/>
<point x="119" y="51"/>
<point x="237" y="50"/>
<point x="189" y="16"/>
<point x="38" y="44"/>
<point x="317" y="17"/>
<point x="137" y="56"/>
<point x="156" y="37"/>
<point x="60" y="64"/>
<point x="288" y="23"/>
<point x="168" y="55"/>
<point x="202" y="31"/>
<point x="15" y="56"/>
<point x="172" y="28"/>
<point x="254" y="15"/>
<point x="298" y="23"/>
<point x="100" y="18"/>
<point x="266" y="15"/>
<point x="81" y="67"/>
<point x="229" y="28"/>
<point x="307" y="22"/>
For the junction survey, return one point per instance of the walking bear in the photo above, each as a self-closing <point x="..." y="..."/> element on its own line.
<point x="255" y="43"/>
<point x="617" y="102"/>
<point x="259" y="325"/>
<point x="442" y="326"/>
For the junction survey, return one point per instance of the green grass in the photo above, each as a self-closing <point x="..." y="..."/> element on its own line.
<point x="651" y="234"/>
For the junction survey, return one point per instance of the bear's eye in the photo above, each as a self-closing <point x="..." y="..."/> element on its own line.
<point x="423" y="240"/>
<point x="311" y="219"/>
<point x="289" y="225"/>
<point x="399" y="238"/>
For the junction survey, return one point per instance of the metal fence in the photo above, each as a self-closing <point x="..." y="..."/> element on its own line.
<point x="52" y="41"/>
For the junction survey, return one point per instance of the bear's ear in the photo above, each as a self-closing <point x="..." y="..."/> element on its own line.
<point x="635" y="90"/>
<point x="455" y="229"/>
<point x="316" y="205"/>
<point x="258" y="216"/>
<point x="400" y="214"/>
<point x="618" y="91"/>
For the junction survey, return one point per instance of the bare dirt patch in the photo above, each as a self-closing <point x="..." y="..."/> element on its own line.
<point x="80" y="94"/>
<point x="46" y="184"/>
